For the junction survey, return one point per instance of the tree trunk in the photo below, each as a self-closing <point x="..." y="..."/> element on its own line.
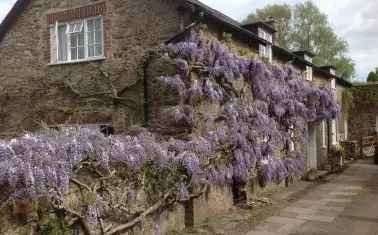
<point x="189" y="215"/>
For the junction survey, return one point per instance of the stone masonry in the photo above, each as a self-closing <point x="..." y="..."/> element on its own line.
<point x="33" y="91"/>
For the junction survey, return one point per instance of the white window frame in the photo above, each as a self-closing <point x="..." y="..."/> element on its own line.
<point x="345" y="129"/>
<point x="333" y="83"/>
<point x="324" y="134"/>
<point x="309" y="72"/>
<point x="334" y="131"/>
<point x="266" y="51"/>
<point x="291" y="141"/>
<point x="265" y="35"/>
<point x="84" y="28"/>
<point x="307" y="58"/>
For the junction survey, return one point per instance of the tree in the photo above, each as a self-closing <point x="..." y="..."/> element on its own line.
<point x="282" y="15"/>
<point x="373" y="76"/>
<point x="305" y="27"/>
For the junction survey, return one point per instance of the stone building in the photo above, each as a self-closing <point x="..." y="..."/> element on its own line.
<point x="363" y="117"/>
<point x="84" y="62"/>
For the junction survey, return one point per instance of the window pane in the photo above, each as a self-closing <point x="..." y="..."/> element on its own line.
<point x="74" y="53"/>
<point x="90" y="38"/>
<point x="81" y="52"/>
<point x="98" y="24"/>
<point x="90" y="25"/>
<point x="73" y="40"/>
<point x="98" y="37"/>
<point x="81" y="39"/>
<point x="91" y="51"/>
<point x="98" y="49"/>
<point x="62" y="43"/>
<point x="76" y="27"/>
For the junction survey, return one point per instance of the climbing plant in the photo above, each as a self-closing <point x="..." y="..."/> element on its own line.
<point x="123" y="179"/>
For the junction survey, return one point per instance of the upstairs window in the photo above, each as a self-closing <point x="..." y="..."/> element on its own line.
<point x="266" y="52"/>
<point x="265" y="35"/>
<point x="308" y="73"/>
<point x="307" y="58"/>
<point x="333" y="84"/>
<point x="78" y="40"/>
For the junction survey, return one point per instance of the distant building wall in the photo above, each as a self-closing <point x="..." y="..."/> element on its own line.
<point x="363" y="118"/>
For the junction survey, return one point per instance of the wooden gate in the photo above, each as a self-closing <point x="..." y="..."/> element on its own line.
<point x="368" y="145"/>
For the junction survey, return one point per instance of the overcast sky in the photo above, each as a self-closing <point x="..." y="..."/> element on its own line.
<point x="354" y="20"/>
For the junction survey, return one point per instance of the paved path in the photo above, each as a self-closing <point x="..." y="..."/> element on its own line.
<point x="347" y="204"/>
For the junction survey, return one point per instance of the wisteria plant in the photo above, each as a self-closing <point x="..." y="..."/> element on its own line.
<point x="126" y="178"/>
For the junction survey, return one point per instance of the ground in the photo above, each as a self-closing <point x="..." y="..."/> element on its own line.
<point x="344" y="203"/>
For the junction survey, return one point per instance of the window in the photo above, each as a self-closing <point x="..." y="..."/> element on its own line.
<point x="266" y="51"/>
<point x="332" y="71"/>
<point x="265" y="35"/>
<point x="333" y="132"/>
<point x="79" y="40"/>
<point x="307" y="58"/>
<point x="324" y="135"/>
<point x="333" y="83"/>
<point x="308" y="73"/>
<point x="291" y="141"/>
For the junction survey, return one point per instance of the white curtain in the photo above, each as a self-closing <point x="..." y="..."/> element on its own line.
<point x="62" y="43"/>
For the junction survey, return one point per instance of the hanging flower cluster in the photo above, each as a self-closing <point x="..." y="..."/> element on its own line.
<point x="248" y="137"/>
<point x="258" y="131"/>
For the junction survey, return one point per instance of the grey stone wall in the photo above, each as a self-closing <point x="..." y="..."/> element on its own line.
<point x="363" y="117"/>
<point x="32" y="91"/>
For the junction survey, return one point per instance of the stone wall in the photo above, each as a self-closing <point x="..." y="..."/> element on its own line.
<point x="363" y="116"/>
<point x="32" y="91"/>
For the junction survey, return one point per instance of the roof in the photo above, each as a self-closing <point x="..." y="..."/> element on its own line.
<point x="365" y="84"/>
<point x="327" y="67"/>
<point x="18" y="7"/>
<point x="260" y="24"/>
<point x="304" y="52"/>
<point x="209" y="13"/>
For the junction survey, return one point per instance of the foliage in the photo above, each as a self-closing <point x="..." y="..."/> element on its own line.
<point x="373" y="76"/>
<point x="282" y="14"/>
<point x="135" y="176"/>
<point x="257" y="130"/>
<point x="304" y="27"/>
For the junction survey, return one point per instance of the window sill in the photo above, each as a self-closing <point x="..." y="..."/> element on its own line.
<point x="78" y="61"/>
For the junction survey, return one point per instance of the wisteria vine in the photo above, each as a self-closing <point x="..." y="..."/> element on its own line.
<point x="248" y="137"/>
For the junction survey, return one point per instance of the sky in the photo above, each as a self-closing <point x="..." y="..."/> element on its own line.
<point x="356" y="21"/>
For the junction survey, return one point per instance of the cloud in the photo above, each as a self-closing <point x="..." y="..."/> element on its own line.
<point x="355" y="21"/>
